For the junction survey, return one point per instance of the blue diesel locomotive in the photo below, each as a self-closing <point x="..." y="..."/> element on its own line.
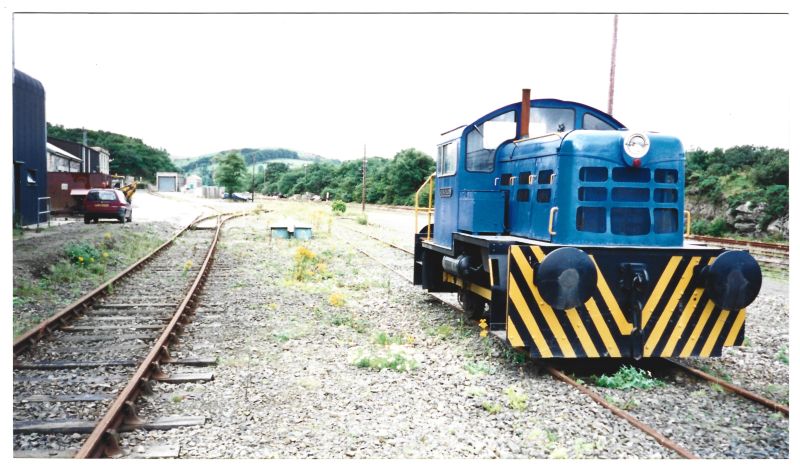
<point x="565" y="230"/>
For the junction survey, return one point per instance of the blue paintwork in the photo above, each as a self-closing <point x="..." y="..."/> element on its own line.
<point x="563" y="154"/>
<point x="481" y="211"/>
<point x="29" y="147"/>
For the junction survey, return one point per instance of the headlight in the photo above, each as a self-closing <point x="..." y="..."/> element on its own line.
<point x="636" y="145"/>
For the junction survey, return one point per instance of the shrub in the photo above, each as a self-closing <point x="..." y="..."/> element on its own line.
<point x="82" y="253"/>
<point x="308" y="265"/>
<point x="362" y="219"/>
<point x="716" y="227"/>
<point x="338" y="206"/>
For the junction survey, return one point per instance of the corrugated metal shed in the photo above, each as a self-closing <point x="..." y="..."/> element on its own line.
<point x="30" y="147"/>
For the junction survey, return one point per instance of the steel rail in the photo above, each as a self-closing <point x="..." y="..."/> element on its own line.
<point x="732" y="387"/>
<point x="660" y="438"/>
<point x="739" y="242"/>
<point x="399" y="248"/>
<point x="103" y="441"/>
<point x="60" y="318"/>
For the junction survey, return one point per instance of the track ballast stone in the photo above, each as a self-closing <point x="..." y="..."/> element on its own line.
<point x="286" y="385"/>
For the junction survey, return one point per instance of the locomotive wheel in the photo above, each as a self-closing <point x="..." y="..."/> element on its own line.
<point x="474" y="305"/>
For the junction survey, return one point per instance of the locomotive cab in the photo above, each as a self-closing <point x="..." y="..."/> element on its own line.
<point x="565" y="229"/>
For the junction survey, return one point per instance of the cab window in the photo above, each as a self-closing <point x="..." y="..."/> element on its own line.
<point x="447" y="158"/>
<point x="483" y="140"/>
<point x="548" y="120"/>
<point x="591" y="122"/>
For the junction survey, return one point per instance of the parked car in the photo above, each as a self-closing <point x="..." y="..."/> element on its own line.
<point x="107" y="203"/>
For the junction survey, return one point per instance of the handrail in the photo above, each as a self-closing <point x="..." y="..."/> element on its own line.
<point x="687" y="215"/>
<point x="428" y="182"/>
<point x="550" y="225"/>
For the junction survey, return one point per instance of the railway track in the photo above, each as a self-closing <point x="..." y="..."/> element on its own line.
<point x="771" y="254"/>
<point x="77" y="374"/>
<point x="551" y="368"/>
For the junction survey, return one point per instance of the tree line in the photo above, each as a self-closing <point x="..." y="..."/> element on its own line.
<point x="388" y="181"/>
<point x="129" y="156"/>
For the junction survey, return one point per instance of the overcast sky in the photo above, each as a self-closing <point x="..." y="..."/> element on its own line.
<point x="330" y="84"/>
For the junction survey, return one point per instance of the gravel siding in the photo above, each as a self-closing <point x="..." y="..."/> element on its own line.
<point x="286" y="385"/>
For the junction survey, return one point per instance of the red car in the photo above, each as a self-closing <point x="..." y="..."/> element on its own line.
<point x="106" y="203"/>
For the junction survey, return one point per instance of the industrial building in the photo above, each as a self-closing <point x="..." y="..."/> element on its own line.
<point x="30" y="150"/>
<point x="93" y="159"/>
<point x="61" y="161"/>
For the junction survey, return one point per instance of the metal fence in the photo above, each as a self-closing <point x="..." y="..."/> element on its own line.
<point x="40" y="212"/>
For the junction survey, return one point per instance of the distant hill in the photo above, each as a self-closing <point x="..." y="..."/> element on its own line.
<point x="204" y="165"/>
<point x="129" y="155"/>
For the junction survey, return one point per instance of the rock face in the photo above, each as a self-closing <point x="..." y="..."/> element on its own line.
<point x="779" y="227"/>
<point x="744" y="218"/>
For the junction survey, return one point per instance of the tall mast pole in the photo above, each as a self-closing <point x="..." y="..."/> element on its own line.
<point x="613" y="67"/>
<point x="364" y="180"/>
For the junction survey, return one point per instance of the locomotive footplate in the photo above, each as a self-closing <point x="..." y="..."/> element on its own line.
<point x="636" y="302"/>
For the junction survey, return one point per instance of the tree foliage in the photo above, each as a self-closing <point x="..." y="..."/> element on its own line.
<point x="388" y="181"/>
<point x="230" y="171"/>
<point x="129" y="156"/>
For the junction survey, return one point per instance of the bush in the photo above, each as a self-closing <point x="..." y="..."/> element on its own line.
<point x="777" y="201"/>
<point x="338" y="206"/>
<point x="716" y="227"/>
<point x="82" y="253"/>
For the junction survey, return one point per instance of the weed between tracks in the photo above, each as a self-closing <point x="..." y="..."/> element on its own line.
<point x="80" y="267"/>
<point x="628" y="377"/>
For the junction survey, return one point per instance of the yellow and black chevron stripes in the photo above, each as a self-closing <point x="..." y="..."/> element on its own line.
<point x="585" y="331"/>
<point x="680" y="320"/>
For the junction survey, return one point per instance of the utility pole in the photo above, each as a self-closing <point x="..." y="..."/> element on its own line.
<point x="253" y="180"/>
<point x="364" y="180"/>
<point x="613" y="68"/>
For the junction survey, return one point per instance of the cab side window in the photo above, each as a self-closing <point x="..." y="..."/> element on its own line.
<point x="447" y="158"/>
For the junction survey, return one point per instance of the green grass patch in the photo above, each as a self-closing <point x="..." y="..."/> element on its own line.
<point x="394" y="358"/>
<point x="350" y="321"/>
<point x="385" y="339"/>
<point x="479" y="368"/>
<point x="514" y="356"/>
<point x="516" y="400"/>
<point x="492" y="408"/>
<point x="628" y="377"/>
<point x="81" y="267"/>
<point x="783" y="355"/>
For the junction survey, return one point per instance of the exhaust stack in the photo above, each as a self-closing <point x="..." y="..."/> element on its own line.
<point x="524" y="115"/>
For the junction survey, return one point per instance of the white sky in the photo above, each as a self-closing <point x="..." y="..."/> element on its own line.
<point x="195" y="84"/>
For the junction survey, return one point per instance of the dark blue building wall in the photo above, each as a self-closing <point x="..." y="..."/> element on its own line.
<point x="30" y="147"/>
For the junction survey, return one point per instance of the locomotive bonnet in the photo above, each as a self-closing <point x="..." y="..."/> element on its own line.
<point x="565" y="230"/>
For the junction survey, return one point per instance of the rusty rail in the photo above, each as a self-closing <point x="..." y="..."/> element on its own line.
<point x="44" y="328"/>
<point x="103" y="441"/>
<point x="739" y="242"/>
<point x="732" y="387"/>
<point x="661" y="439"/>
